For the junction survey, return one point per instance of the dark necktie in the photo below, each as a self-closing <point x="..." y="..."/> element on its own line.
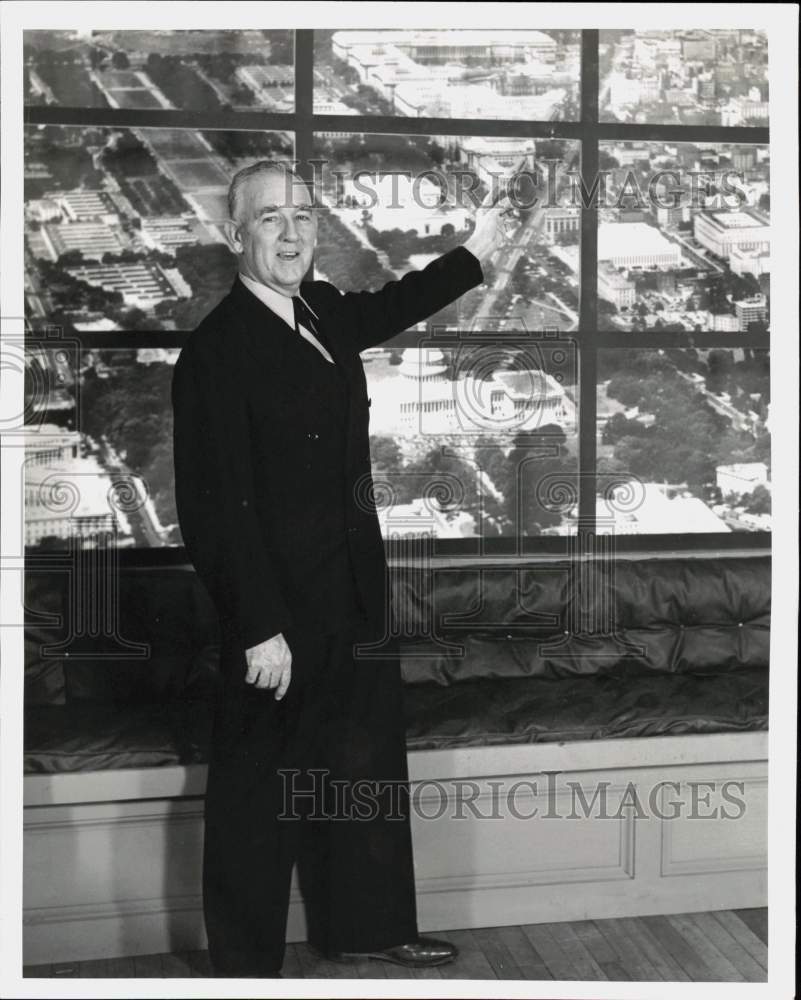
<point x="305" y="317"/>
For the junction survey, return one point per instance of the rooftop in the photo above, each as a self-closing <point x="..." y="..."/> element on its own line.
<point x="446" y="37"/>
<point x="632" y="239"/>
<point x="745" y="218"/>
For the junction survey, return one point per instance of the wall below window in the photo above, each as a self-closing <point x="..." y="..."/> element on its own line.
<point x="113" y="859"/>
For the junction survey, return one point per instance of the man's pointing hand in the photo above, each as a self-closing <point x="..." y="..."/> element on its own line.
<point x="270" y="665"/>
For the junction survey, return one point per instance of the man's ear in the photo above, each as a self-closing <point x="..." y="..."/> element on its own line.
<point x="231" y="233"/>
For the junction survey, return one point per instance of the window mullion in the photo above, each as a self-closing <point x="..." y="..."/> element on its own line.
<point x="304" y="107"/>
<point x="588" y="285"/>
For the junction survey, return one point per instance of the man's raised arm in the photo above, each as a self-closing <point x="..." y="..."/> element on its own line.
<point x="376" y="316"/>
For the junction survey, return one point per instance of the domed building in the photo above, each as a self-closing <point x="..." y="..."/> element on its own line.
<point x="428" y="394"/>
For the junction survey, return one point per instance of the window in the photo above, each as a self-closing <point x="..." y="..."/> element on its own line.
<point x="502" y="74"/>
<point x="689" y="77"/>
<point x="684" y="237"/>
<point x="187" y="70"/>
<point x="610" y="375"/>
<point x="683" y="444"/>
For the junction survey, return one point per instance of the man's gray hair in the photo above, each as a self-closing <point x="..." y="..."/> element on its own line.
<point x="284" y="168"/>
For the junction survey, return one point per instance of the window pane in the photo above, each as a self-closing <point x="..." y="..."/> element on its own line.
<point x="473" y="436"/>
<point x="468" y="439"/>
<point x="188" y="70"/>
<point x="454" y="73"/>
<point x="123" y="226"/>
<point x="396" y="202"/>
<point x="684" y="237"/>
<point x="683" y="441"/>
<point x="687" y="77"/>
<point x="99" y="446"/>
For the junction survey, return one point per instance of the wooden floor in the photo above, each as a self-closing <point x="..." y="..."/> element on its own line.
<point x="723" y="946"/>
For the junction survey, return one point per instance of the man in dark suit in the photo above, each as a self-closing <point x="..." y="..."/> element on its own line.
<point x="272" y="478"/>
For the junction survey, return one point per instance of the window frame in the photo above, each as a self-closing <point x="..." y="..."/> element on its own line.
<point x="303" y="123"/>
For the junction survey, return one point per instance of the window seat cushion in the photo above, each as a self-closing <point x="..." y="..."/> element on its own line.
<point x="521" y="710"/>
<point x="91" y="737"/>
<point x="97" y="737"/>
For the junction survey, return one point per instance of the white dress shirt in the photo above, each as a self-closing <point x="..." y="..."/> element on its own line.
<point x="281" y="305"/>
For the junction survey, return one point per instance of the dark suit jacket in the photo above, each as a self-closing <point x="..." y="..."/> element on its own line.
<point x="272" y="496"/>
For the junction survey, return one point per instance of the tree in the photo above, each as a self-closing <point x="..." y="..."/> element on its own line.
<point x="72" y="258"/>
<point x="619" y="426"/>
<point x="538" y="480"/>
<point x="720" y="365"/>
<point x="135" y="319"/>
<point x="128" y="157"/>
<point x="386" y="453"/>
<point x="435" y="153"/>
<point x="625" y="389"/>
<point x="130" y="408"/>
<point x="120" y="60"/>
<point x="281" y="46"/>
<point x="448" y="480"/>
<point x="209" y="270"/>
<point x="758" y="502"/>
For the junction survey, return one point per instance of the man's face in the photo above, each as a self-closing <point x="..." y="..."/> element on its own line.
<point x="275" y="231"/>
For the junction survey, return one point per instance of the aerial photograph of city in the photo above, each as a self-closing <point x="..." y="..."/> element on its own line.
<point x="449" y="74"/>
<point x="692" y="77"/>
<point x="124" y="234"/>
<point x="684" y="237"/>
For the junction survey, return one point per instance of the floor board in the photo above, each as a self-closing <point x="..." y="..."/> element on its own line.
<point x="631" y="954"/>
<point x="748" y="967"/>
<point x="680" y="948"/>
<point x="744" y="936"/>
<point x="719" y="946"/>
<point x="756" y="920"/>
<point x="497" y="953"/>
<point x="578" y="955"/>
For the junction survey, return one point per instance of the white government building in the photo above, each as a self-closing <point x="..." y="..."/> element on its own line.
<point x="722" y="232"/>
<point x="636" y="245"/>
<point x="658" y="510"/>
<point x="366" y="48"/>
<point x="741" y="477"/>
<point x="423" y="399"/>
<point x="397" y="201"/>
<point x="425" y="72"/>
<point x="67" y="494"/>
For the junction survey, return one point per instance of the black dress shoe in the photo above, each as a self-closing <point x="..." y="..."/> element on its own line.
<point x="420" y="954"/>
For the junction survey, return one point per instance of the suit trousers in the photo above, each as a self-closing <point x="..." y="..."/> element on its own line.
<point x="319" y="778"/>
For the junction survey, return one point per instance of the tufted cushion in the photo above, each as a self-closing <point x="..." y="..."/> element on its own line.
<point x="489" y="600"/>
<point x="479" y="713"/>
<point x="518" y="710"/>
<point x="636" y="616"/>
<point x="490" y="658"/>
<point x="165" y="617"/>
<point x="96" y="737"/>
